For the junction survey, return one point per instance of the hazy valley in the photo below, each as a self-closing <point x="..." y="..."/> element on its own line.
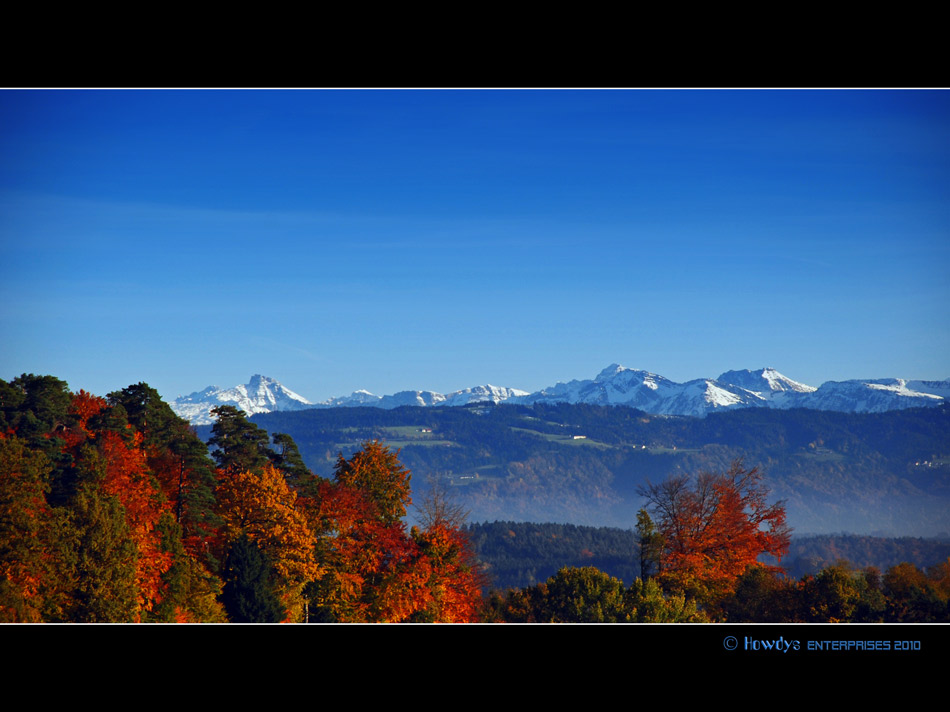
<point x="869" y="473"/>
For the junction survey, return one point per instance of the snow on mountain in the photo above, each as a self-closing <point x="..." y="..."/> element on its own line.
<point x="478" y="394"/>
<point x="615" y="385"/>
<point x="873" y="395"/>
<point x="357" y="398"/>
<point x="265" y="395"/>
<point x="415" y="398"/>
<point x="765" y="382"/>
<point x="483" y="394"/>
<point x="934" y="388"/>
<point x="259" y="395"/>
<point x="765" y="387"/>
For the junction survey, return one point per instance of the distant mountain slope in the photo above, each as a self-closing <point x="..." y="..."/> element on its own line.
<point x="874" y="473"/>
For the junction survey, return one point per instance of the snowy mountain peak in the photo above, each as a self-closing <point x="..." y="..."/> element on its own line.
<point x="260" y="394"/>
<point x="614" y="370"/>
<point x="764" y="381"/>
<point x="483" y="394"/>
<point x="609" y="372"/>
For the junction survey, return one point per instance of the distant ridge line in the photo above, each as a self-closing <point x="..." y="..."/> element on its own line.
<point x="615" y="385"/>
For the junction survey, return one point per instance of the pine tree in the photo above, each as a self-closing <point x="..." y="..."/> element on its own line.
<point x="104" y="560"/>
<point x="240" y="445"/>
<point x="286" y="458"/>
<point x="249" y="595"/>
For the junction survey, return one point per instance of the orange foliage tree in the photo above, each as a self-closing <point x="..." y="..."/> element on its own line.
<point x="128" y="480"/>
<point x="366" y="559"/>
<point x="262" y="506"/>
<point x="714" y="528"/>
<point x="374" y="571"/>
<point x="120" y="461"/>
<point x="24" y="522"/>
<point x="453" y="578"/>
<point x="376" y="472"/>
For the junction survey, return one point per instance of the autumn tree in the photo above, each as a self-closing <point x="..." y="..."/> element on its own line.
<point x="115" y="482"/>
<point x="178" y="462"/>
<point x="582" y="595"/>
<point x="88" y="532"/>
<point x="364" y="558"/>
<point x="261" y="506"/>
<point x="455" y="577"/>
<point x="372" y="569"/>
<point x="375" y="471"/>
<point x="177" y="457"/>
<point x="646" y="602"/>
<point x="760" y="596"/>
<point x="915" y="597"/>
<point x="24" y="525"/>
<point x="588" y="595"/>
<point x="714" y="528"/>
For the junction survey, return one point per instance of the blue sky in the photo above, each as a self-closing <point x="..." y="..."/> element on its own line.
<point x="441" y="239"/>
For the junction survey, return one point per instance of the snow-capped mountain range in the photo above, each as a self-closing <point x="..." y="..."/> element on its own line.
<point x="478" y="394"/>
<point x="615" y="385"/>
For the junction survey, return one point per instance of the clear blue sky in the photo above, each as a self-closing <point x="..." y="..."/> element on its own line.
<point x="394" y="240"/>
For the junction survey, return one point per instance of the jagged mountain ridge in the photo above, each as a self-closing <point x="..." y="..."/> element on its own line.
<point x="466" y="396"/>
<point x="615" y="385"/>
<point x="763" y="388"/>
<point x="260" y="395"/>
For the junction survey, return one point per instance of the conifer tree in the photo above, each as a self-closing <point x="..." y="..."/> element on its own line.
<point x="249" y="595"/>
<point x="239" y="445"/>
<point x="651" y="545"/>
<point x="286" y="458"/>
<point x="104" y="561"/>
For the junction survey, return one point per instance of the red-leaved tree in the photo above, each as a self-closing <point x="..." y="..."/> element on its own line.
<point x="713" y="528"/>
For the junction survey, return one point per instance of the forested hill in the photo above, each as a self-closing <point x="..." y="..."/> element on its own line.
<point x="878" y="473"/>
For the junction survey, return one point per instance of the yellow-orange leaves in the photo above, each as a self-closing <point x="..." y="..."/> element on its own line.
<point x="265" y="508"/>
